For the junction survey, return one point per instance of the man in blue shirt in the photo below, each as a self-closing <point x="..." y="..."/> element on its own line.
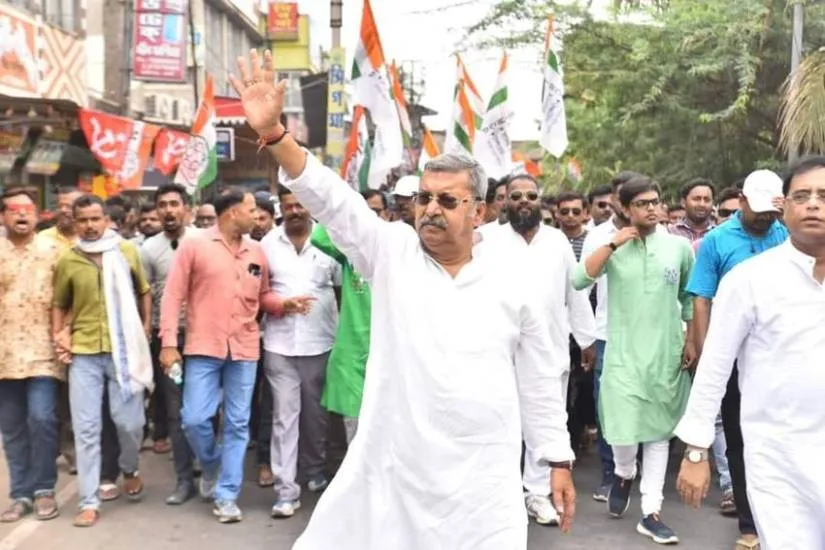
<point x="752" y="230"/>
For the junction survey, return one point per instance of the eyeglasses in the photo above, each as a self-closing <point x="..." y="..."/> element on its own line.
<point x="725" y="213"/>
<point x="602" y="204"/>
<point x="568" y="211"/>
<point x="646" y="203"/>
<point x="516" y="196"/>
<point x="803" y="196"/>
<point x="444" y="200"/>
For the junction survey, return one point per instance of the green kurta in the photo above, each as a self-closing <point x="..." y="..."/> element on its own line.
<point x="644" y="390"/>
<point x="348" y="360"/>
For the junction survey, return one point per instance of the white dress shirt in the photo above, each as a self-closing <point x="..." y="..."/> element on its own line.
<point x="596" y="238"/>
<point x="294" y="273"/>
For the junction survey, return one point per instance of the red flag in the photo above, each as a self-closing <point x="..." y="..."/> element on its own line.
<point x="169" y="148"/>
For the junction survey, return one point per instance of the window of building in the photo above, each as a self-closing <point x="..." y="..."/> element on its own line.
<point x="62" y="14"/>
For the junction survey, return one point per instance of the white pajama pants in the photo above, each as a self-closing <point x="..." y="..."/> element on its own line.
<point x="536" y="477"/>
<point x="654" y="470"/>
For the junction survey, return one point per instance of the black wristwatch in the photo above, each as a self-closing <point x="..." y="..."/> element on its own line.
<point x="566" y="465"/>
<point x="612" y="246"/>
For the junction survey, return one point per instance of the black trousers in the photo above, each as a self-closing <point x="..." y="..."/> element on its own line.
<point x="731" y="405"/>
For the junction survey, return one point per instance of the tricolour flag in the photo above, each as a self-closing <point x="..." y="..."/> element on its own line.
<point x="372" y="90"/>
<point x="429" y="150"/>
<point x="356" y="167"/>
<point x="401" y="104"/>
<point x="492" y="147"/>
<point x="553" y="122"/>
<point x="471" y="108"/>
<point x="199" y="165"/>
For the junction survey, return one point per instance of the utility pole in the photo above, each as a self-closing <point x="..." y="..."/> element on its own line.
<point x="192" y="39"/>
<point x="796" y="48"/>
<point x="336" y="20"/>
<point x="128" y="43"/>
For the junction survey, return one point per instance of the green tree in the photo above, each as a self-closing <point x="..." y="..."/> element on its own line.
<point x="674" y="89"/>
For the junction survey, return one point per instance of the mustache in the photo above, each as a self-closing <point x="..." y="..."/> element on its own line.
<point x="439" y="222"/>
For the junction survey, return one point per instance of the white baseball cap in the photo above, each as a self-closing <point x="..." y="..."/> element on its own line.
<point x="406" y="186"/>
<point x="761" y="188"/>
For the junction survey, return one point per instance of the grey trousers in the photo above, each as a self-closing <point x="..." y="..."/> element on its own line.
<point x="87" y="376"/>
<point x="297" y="383"/>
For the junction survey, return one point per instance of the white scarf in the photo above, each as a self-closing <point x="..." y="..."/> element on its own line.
<point x="130" y="350"/>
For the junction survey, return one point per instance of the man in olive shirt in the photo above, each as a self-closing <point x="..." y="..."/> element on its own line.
<point x="98" y="280"/>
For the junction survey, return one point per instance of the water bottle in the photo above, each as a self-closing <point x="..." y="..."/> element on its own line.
<point x="176" y="373"/>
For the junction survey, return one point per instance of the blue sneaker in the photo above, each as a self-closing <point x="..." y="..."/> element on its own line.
<point x="653" y="527"/>
<point x="618" y="500"/>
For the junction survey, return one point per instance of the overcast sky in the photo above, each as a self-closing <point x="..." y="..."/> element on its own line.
<point x="427" y="31"/>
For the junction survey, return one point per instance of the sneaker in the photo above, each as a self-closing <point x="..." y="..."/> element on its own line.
<point x="317" y="484"/>
<point x="652" y="526"/>
<point x="541" y="509"/>
<point x="227" y="511"/>
<point x="207" y="485"/>
<point x="601" y="494"/>
<point x="618" y="499"/>
<point x="285" y="508"/>
<point x="183" y="492"/>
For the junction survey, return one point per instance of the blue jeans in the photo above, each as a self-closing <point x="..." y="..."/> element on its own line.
<point x="201" y="399"/>
<point x="28" y="420"/>
<point x="605" y="451"/>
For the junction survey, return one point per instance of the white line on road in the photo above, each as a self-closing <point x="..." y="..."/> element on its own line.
<point x="29" y="525"/>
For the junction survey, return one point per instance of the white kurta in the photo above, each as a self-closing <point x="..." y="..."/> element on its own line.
<point x="457" y="369"/>
<point x="769" y="313"/>
<point x="548" y="262"/>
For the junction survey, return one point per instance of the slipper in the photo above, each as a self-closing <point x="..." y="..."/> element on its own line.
<point x="133" y="486"/>
<point x="45" y="507"/>
<point x="17" y="511"/>
<point x="109" y="491"/>
<point x="86" y="518"/>
<point x="742" y="544"/>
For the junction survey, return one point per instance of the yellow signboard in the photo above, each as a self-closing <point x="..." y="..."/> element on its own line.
<point x="336" y="109"/>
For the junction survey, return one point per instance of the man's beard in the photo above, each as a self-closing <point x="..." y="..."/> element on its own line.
<point x="522" y="223"/>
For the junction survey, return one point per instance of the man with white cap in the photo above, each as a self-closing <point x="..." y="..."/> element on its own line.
<point x="752" y="230"/>
<point x="403" y="193"/>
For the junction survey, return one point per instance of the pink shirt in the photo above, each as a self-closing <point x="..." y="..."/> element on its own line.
<point x="222" y="291"/>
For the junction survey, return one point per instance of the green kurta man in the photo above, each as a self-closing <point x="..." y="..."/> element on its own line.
<point x="348" y="360"/>
<point x="645" y="382"/>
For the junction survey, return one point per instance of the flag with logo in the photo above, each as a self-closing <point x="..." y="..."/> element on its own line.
<point x="372" y="90"/>
<point x="169" y="148"/>
<point x="121" y="145"/>
<point x="356" y="167"/>
<point x="492" y="147"/>
<point x="199" y="164"/>
<point x="429" y="150"/>
<point x="553" y="121"/>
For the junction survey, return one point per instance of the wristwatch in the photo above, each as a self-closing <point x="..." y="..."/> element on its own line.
<point x="612" y="246"/>
<point x="696" y="456"/>
<point x="565" y="465"/>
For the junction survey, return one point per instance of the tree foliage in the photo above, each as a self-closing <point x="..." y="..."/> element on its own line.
<point x="674" y="89"/>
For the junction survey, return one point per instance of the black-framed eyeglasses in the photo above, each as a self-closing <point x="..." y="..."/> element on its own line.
<point x="174" y="244"/>
<point x="804" y="195"/>
<point x="646" y="203"/>
<point x="444" y="200"/>
<point x="568" y="211"/>
<point x="516" y="196"/>
<point x="726" y="213"/>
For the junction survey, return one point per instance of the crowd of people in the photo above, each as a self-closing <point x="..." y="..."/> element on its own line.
<point x="458" y="326"/>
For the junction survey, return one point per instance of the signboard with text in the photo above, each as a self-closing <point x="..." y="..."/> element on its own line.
<point x="19" y="55"/>
<point x="336" y="109"/>
<point x="160" y="40"/>
<point x="225" y="144"/>
<point x="282" y="20"/>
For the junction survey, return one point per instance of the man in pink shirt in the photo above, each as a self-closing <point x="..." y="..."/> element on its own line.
<point x="222" y="277"/>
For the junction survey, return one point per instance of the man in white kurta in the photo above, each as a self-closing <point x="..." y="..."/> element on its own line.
<point x="769" y="313"/>
<point x="547" y="262"/>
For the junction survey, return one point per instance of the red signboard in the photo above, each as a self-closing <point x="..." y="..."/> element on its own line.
<point x="282" y="20"/>
<point x="19" y="57"/>
<point x="160" y="41"/>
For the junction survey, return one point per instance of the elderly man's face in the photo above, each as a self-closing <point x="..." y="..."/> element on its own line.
<point x="446" y="211"/>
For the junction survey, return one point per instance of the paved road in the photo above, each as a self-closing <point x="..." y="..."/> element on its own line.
<point x="152" y="525"/>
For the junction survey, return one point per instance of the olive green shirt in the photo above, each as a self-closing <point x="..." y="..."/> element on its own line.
<point x="78" y="287"/>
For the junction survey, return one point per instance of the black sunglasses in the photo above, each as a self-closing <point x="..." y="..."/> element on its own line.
<point x="444" y="200"/>
<point x="567" y="211"/>
<point x="725" y="213"/>
<point x="517" y="196"/>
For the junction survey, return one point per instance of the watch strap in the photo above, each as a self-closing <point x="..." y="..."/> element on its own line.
<point x="565" y="465"/>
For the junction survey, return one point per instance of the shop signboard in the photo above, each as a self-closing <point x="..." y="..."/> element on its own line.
<point x="160" y="40"/>
<point x="19" y="54"/>
<point x="282" y="20"/>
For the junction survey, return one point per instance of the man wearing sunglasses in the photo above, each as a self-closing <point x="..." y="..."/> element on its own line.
<point x="645" y="382"/>
<point x="600" y="206"/>
<point x="727" y="204"/>
<point x="545" y="255"/>
<point x="457" y="372"/>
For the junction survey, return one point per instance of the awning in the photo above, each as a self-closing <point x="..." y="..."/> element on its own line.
<point x="49" y="155"/>
<point x="229" y="111"/>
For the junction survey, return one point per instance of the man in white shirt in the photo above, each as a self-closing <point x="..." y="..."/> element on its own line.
<point x="768" y="314"/>
<point x="597" y="237"/>
<point x="296" y="352"/>
<point x="457" y="371"/>
<point x="547" y="258"/>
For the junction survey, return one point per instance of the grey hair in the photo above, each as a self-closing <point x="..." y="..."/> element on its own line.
<point x="455" y="163"/>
